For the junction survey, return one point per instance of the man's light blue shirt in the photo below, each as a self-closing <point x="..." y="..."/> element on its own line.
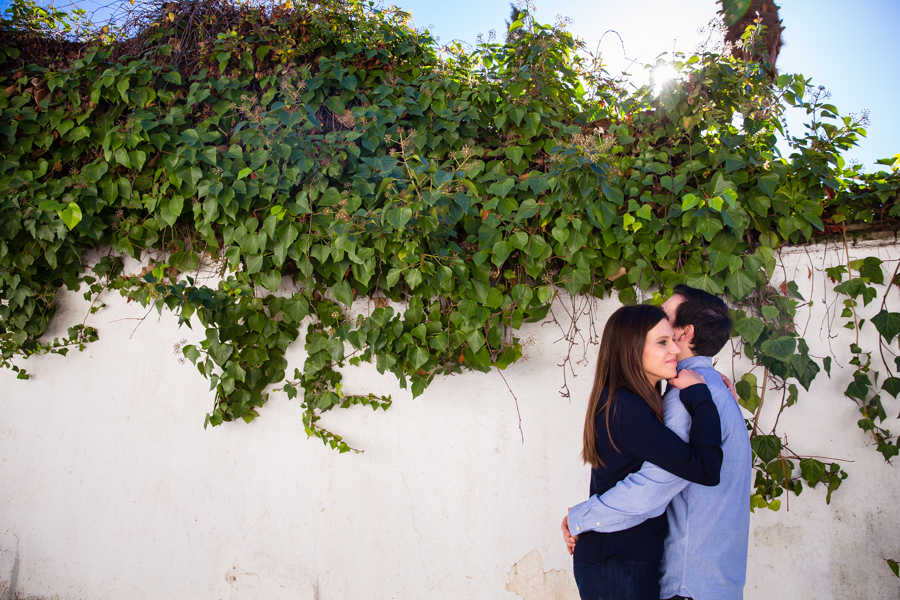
<point x="705" y="555"/>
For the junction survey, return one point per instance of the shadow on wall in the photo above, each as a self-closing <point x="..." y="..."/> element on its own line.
<point x="9" y="566"/>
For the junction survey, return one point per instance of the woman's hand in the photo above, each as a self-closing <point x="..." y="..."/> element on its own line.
<point x="687" y="378"/>
<point x="729" y="385"/>
<point x="570" y="539"/>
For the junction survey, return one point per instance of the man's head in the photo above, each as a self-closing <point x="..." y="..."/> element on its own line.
<point x="700" y="320"/>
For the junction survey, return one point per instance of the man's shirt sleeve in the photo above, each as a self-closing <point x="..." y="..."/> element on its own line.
<point x="641" y="495"/>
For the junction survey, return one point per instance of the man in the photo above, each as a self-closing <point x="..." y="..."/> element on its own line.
<point x="705" y="555"/>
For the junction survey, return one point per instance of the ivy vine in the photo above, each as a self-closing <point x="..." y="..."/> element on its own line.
<point x="331" y="147"/>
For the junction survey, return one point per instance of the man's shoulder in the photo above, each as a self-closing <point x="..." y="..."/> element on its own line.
<point x="717" y="387"/>
<point x="730" y="415"/>
<point x="677" y="417"/>
<point x="672" y="403"/>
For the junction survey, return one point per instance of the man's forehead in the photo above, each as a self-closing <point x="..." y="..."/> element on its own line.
<point x="671" y="304"/>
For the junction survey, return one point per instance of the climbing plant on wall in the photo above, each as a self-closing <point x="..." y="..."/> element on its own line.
<point x="330" y="149"/>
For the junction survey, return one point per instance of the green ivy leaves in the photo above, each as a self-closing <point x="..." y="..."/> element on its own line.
<point x="887" y="324"/>
<point x="467" y="191"/>
<point x="780" y="348"/>
<point x="766" y="447"/>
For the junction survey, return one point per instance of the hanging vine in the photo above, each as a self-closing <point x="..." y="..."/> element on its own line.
<point x="332" y="146"/>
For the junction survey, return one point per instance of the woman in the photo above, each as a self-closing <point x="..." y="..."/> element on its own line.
<point x="622" y="429"/>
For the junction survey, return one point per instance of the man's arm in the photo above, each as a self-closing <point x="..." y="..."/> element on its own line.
<point x="641" y="495"/>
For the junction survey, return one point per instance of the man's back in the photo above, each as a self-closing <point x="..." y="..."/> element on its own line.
<point x="706" y="550"/>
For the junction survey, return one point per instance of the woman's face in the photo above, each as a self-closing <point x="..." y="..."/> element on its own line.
<point x="660" y="352"/>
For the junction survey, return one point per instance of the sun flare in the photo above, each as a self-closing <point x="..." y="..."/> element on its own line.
<point x="661" y="76"/>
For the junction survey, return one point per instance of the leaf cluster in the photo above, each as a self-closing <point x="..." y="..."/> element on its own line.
<point x="332" y="147"/>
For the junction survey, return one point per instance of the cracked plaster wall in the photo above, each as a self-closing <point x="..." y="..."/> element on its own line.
<point x="113" y="489"/>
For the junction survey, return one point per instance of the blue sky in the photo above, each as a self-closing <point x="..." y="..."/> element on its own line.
<point x="852" y="50"/>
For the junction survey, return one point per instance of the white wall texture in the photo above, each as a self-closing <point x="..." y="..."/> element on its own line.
<point x="111" y="488"/>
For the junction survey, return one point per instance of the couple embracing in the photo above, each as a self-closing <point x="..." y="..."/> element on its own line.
<point x="668" y="515"/>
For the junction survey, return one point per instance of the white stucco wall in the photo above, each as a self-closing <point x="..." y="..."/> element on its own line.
<point x="111" y="488"/>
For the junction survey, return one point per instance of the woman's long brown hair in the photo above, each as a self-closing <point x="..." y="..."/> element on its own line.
<point x="620" y="364"/>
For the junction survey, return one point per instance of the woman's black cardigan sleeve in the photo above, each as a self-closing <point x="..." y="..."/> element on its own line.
<point x="647" y="438"/>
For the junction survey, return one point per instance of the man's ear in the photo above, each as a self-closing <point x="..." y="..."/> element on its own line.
<point x="685" y="334"/>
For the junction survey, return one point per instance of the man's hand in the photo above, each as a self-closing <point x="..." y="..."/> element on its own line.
<point x="729" y="385"/>
<point x="570" y="539"/>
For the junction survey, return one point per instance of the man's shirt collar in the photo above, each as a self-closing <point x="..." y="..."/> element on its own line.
<point x="695" y="362"/>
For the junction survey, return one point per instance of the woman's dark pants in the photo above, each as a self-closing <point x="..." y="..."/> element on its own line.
<point x="617" y="579"/>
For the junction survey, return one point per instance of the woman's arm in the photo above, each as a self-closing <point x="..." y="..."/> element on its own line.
<point x="699" y="460"/>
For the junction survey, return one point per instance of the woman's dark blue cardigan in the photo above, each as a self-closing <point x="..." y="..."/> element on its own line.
<point x="639" y="437"/>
